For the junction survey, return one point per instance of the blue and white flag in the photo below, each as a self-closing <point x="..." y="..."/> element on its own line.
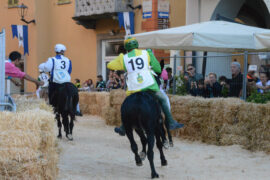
<point x="126" y="20"/>
<point x="21" y="32"/>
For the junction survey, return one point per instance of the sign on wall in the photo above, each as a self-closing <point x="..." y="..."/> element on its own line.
<point x="147" y="9"/>
<point x="163" y="8"/>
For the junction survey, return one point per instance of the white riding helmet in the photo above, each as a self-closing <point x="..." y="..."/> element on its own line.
<point x="60" y="47"/>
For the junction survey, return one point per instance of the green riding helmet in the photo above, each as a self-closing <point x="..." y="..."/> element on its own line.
<point x="131" y="43"/>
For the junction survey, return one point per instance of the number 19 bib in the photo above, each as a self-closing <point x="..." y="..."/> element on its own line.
<point x="138" y="72"/>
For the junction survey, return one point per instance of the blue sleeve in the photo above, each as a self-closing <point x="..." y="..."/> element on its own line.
<point x="70" y="67"/>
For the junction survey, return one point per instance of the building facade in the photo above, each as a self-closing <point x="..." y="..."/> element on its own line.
<point x="90" y="28"/>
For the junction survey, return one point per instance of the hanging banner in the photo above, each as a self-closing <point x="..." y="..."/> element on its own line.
<point x="163" y="9"/>
<point x="147" y="9"/>
<point x="21" y="32"/>
<point x="126" y="20"/>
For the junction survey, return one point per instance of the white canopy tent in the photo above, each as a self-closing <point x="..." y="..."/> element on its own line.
<point x="211" y="36"/>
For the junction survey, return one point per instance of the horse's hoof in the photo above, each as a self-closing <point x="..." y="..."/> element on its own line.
<point x="142" y="155"/>
<point x="164" y="163"/>
<point x="139" y="163"/>
<point x="69" y="136"/>
<point x="171" y="144"/>
<point x="155" y="175"/>
<point x="166" y="144"/>
<point x="59" y="136"/>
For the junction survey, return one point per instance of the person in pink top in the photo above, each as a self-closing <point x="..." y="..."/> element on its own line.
<point x="12" y="71"/>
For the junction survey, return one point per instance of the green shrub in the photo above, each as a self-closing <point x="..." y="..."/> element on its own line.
<point x="257" y="97"/>
<point x="181" y="86"/>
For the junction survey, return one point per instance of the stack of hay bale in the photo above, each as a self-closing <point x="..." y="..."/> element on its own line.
<point x="28" y="147"/>
<point x="94" y="103"/>
<point x="113" y="115"/>
<point x="220" y="121"/>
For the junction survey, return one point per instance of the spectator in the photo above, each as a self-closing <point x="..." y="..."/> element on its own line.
<point x="236" y="82"/>
<point x="197" y="88"/>
<point x="78" y="83"/>
<point x="223" y="81"/>
<point x="212" y="87"/>
<point x="87" y="85"/>
<point x="101" y="85"/>
<point x="251" y="73"/>
<point x="169" y="83"/>
<point x="264" y="84"/>
<point x="192" y="76"/>
<point x="122" y="81"/>
<point x="109" y="83"/>
<point x="116" y="83"/>
<point x="12" y="70"/>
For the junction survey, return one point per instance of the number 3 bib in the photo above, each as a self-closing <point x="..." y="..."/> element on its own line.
<point x="60" y="70"/>
<point x="138" y="72"/>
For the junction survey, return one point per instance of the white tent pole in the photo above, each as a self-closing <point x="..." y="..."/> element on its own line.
<point x="174" y="74"/>
<point x="244" y="88"/>
<point x="2" y="68"/>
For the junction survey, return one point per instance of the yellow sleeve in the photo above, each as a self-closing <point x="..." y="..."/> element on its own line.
<point x="117" y="63"/>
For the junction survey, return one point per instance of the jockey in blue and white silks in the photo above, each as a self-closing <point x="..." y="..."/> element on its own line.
<point x="60" y="68"/>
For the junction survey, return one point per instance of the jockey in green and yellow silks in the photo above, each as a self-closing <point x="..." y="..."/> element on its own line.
<point x="140" y="66"/>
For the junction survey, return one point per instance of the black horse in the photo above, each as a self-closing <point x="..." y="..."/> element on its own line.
<point x="140" y="111"/>
<point x="65" y="100"/>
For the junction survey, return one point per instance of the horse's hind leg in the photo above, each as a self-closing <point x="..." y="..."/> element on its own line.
<point x="144" y="143"/>
<point x="66" y="126"/>
<point x="150" y="154"/>
<point x="163" y="135"/>
<point x="169" y="133"/>
<point x="71" y="123"/>
<point x="134" y="147"/>
<point x="59" y="124"/>
<point x="159" y="145"/>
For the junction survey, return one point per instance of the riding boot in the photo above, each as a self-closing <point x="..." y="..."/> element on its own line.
<point x="165" y="108"/>
<point x="120" y="130"/>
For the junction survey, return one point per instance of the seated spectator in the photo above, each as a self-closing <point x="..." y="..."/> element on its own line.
<point x="88" y="85"/>
<point x="251" y="73"/>
<point x="192" y="76"/>
<point x="197" y="89"/>
<point x="236" y="82"/>
<point x="212" y="87"/>
<point x="264" y="84"/>
<point x="122" y="81"/>
<point x="109" y="83"/>
<point x="78" y="83"/>
<point x="116" y="83"/>
<point x="101" y="85"/>
<point x="223" y="81"/>
<point x="169" y="81"/>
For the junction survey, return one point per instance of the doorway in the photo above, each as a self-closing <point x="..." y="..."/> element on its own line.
<point x="110" y="50"/>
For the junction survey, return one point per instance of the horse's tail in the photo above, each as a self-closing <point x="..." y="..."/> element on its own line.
<point x="72" y="93"/>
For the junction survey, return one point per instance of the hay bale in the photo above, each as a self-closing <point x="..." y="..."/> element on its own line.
<point x="28" y="148"/>
<point x="117" y="96"/>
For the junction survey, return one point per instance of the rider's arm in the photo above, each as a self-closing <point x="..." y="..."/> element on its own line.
<point x="47" y="66"/>
<point x="154" y="62"/>
<point x="117" y="63"/>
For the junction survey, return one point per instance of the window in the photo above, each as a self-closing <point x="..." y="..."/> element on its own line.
<point x="13" y="3"/>
<point x="64" y="1"/>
